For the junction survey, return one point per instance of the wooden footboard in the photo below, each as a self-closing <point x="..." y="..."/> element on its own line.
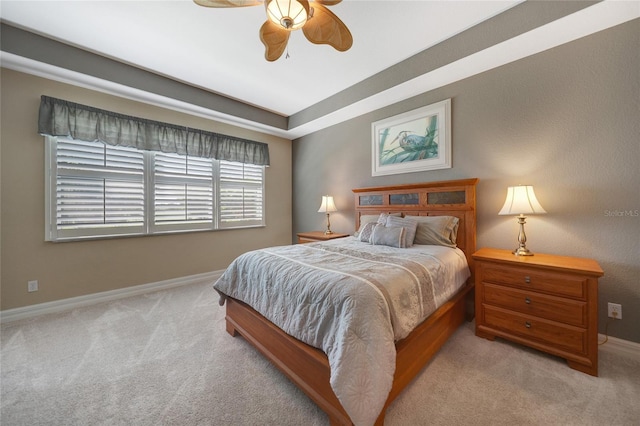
<point x="308" y="367"/>
<point x="304" y="365"/>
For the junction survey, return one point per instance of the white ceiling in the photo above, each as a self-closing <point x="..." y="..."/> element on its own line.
<point x="219" y="49"/>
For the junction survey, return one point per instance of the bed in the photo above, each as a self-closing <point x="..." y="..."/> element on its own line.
<point x="364" y="365"/>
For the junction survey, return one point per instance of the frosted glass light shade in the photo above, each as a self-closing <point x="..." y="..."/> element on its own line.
<point x="288" y="14"/>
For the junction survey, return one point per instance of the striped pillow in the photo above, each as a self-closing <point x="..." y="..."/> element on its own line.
<point x="392" y="236"/>
<point x="410" y="226"/>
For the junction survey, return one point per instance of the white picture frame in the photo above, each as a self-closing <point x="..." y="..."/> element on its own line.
<point x="413" y="141"/>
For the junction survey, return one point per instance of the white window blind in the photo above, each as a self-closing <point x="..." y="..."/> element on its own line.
<point x="98" y="187"/>
<point x="241" y="194"/>
<point x="96" y="190"/>
<point x="183" y="191"/>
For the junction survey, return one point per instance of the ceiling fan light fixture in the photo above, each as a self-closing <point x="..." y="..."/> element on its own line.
<point x="318" y="23"/>
<point x="288" y="14"/>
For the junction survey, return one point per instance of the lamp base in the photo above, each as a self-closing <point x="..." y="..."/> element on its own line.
<point x="328" y="231"/>
<point x="522" y="251"/>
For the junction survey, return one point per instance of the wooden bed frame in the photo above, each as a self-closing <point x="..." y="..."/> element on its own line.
<point x="307" y="366"/>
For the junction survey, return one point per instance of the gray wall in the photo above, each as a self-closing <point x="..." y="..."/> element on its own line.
<point x="565" y="120"/>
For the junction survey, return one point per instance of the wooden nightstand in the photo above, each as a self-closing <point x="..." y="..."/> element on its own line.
<point x="547" y="302"/>
<point x="315" y="236"/>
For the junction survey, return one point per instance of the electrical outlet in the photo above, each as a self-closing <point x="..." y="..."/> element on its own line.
<point x="615" y="310"/>
<point x="32" y="286"/>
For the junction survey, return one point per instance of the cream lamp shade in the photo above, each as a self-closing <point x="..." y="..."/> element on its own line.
<point x="327" y="206"/>
<point x="521" y="200"/>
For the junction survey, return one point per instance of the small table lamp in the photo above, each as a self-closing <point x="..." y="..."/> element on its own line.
<point x="521" y="200"/>
<point x="327" y="207"/>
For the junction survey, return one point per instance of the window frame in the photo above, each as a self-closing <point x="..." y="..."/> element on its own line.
<point x="149" y="228"/>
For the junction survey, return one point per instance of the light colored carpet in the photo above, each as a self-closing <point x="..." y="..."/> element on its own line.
<point x="164" y="359"/>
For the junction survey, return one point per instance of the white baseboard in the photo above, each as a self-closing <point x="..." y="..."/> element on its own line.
<point x="105" y="296"/>
<point x="620" y="346"/>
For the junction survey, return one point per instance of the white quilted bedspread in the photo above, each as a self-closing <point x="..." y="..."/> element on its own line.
<point x="350" y="299"/>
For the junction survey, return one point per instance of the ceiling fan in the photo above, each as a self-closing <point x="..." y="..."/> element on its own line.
<point x="319" y="24"/>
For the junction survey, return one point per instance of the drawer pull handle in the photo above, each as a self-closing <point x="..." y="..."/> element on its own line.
<point x="527" y="301"/>
<point x="527" y="324"/>
<point x="527" y="279"/>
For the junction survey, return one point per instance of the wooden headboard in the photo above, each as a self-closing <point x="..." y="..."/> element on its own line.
<point x="446" y="198"/>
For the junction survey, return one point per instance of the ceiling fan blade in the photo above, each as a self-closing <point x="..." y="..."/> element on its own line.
<point x="326" y="28"/>
<point x="274" y="39"/>
<point x="227" y="3"/>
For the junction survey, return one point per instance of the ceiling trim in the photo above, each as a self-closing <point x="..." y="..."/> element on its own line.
<point x="63" y="75"/>
<point x="588" y="20"/>
<point x="572" y="27"/>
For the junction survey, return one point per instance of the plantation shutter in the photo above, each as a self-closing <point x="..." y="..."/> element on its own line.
<point x="183" y="191"/>
<point x="98" y="186"/>
<point x="241" y="188"/>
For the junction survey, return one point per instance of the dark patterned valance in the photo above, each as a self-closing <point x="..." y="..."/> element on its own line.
<point x="63" y="118"/>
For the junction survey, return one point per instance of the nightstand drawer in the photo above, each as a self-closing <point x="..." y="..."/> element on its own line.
<point x="558" y="335"/>
<point x="568" y="311"/>
<point x="535" y="279"/>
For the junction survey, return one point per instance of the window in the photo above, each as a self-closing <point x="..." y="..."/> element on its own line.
<point x="97" y="190"/>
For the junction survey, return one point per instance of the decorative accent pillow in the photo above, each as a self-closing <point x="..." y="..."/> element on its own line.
<point x="364" y="219"/>
<point x="392" y="236"/>
<point x="365" y="232"/>
<point x="410" y="226"/>
<point x="382" y="219"/>
<point x="375" y="218"/>
<point x="437" y="230"/>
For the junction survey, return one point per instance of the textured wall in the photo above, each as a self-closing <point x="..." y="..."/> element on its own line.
<point x="76" y="268"/>
<point x="566" y="121"/>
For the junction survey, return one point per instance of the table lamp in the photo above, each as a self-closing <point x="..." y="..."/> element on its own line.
<point x="521" y="200"/>
<point x="327" y="207"/>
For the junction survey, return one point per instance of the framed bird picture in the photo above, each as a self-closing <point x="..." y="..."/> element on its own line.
<point x="414" y="141"/>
